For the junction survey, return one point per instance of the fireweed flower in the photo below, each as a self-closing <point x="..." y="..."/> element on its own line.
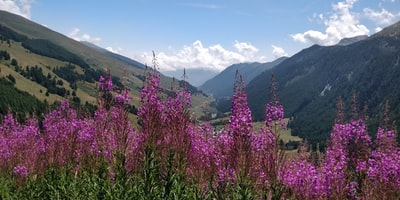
<point x="349" y="145"/>
<point x="105" y="85"/>
<point x="109" y="84"/>
<point x="5" y="152"/>
<point x="304" y="180"/>
<point x="20" y="171"/>
<point x="240" y="121"/>
<point x="235" y="142"/>
<point x="384" y="169"/>
<point x="274" y="114"/>
<point x="9" y="125"/>
<point x="384" y="163"/>
<point x="268" y="159"/>
<point x="263" y="140"/>
<point x="203" y="149"/>
<point x="122" y="98"/>
<point x="226" y="176"/>
<point x="385" y="140"/>
<point x="149" y="95"/>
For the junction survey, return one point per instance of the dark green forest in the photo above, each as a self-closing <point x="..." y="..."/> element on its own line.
<point x="18" y="102"/>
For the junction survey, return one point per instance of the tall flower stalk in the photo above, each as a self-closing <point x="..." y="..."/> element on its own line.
<point x="240" y="129"/>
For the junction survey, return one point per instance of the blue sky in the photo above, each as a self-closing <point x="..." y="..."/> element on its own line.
<point x="208" y="34"/>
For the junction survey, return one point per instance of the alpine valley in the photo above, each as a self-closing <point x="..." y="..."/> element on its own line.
<point x="39" y="66"/>
<point x="364" y="72"/>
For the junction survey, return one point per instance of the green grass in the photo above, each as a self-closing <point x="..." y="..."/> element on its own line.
<point x="199" y="103"/>
<point x="29" y="86"/>
<point x="285" y="134"/>
<point x="25" y="58"/>
<point x="87" y="90"/>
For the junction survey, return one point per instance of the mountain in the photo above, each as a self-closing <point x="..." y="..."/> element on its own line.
<point x="195" y="77"/>
<point x="348" y="41"/>
<point x="311" y="81"/>
<point x="222" y="84"/>
<point x="49" y="65"/>
<point x="93" y="58"/>
<point x="119" y="57"/>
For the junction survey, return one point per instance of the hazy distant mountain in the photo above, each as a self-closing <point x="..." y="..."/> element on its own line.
<point x="311" y="81"/>
<point x="222" y="84"/>
<point x="195" y="77"/>
<point x="115" y="55"/>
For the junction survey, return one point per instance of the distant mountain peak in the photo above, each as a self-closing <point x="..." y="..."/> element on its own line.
<point x="351" y="40"/>
<point x="390" y="31"/>
<point x="221" y="85"/>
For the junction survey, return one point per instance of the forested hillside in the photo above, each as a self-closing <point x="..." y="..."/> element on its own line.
<point x="311" y="82"/>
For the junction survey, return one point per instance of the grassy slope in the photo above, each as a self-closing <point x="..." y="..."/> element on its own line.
<point x="86" y="91"/>
<point x="25" y="58"/>
<point x="285" y="135"/>
<point x="91" y="56"/>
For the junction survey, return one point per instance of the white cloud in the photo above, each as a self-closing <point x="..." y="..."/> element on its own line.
<point x="278" y="52"/>
<point x="201" y="5"/>
<point x="75" y="34"/>
<point x="19" y="7"/>
<point x="246" y="48"/>
<point x="382" y="17"/>
<point x="340" y="24"/>
<point x="377" y="29"/>
<point x="117" y="50"/>
<point x="214" y="58"/>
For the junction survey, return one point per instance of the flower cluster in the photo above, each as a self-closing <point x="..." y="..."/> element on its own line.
<point x="274" y="114"/>
<point x="20" y="171"/>
<point x="240" y="121"/>
<point x="304" y="179"/>
<point x="353" y="167"/>
<point x="105" y="85"/>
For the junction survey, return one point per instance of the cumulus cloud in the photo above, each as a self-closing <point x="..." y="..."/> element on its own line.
<point x="382" y="17"/>
<point x="340" y="24"/>
<point x="117" y="50"/>
<point x="19" y="7"/>
<point x="75" y="34"/>
<point x="196" y="56"/>
<point x="246" y="48"/>
<point x="278" y="52"/>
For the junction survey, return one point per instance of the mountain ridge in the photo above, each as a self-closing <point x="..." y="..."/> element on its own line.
<point x="226" y="79"/>
<point x="351" y="40"/>
<point x="34" y="30"/>
<point x="369" y="68"/>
